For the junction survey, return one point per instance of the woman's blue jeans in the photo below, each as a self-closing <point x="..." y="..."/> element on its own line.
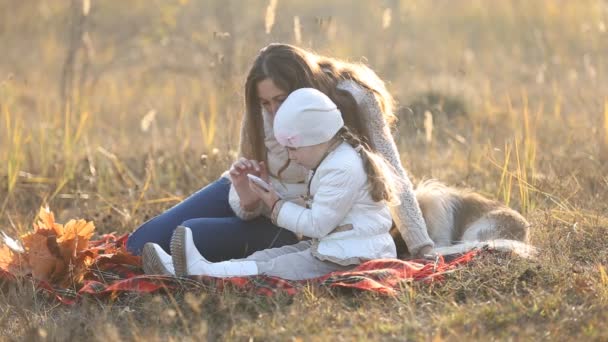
<point x="218" y="233"/>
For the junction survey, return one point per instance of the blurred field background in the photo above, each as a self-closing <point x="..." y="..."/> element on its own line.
<point x="115" y="110"/>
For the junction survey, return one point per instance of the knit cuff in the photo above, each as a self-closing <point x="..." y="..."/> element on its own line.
<point x="274" y="215"/>
<point x="235" y="204"/>
<point x="416" y="240"/>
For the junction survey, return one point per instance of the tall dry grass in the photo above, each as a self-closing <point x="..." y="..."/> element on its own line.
<point x="514" y="91"/>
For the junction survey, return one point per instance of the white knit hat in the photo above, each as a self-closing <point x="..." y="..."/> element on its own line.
<point x="307" y="117"/>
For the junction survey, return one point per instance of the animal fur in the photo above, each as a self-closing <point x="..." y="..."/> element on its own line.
<point x="460" y="220"/>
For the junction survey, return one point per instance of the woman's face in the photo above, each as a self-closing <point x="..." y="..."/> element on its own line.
<point x="271" y="97"/>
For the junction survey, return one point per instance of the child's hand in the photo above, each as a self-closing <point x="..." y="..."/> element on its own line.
<point x="268" y="197"/>
<point x="299" y="201"/>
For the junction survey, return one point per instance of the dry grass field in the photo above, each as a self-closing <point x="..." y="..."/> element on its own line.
<point x="113" y="111"/>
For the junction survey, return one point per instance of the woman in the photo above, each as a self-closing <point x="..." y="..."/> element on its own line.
<point x="228" y="220"/>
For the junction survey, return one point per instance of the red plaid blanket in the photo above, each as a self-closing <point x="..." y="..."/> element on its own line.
<point x="113" y="275"/>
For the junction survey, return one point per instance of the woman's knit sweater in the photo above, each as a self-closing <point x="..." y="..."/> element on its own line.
<point x="407" y="215"/>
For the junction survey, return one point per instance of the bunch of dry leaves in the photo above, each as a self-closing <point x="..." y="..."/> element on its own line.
<point x="54" y="253"/>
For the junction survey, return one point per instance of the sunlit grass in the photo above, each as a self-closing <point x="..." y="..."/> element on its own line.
<point x="158" y="118"/>
<point x="208" y="122"/>
<point x="606" y="123"/>
<point x="73" y="130"/>
<point x="15" y="140"/>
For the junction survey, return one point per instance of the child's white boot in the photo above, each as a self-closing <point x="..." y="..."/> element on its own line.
<point x="156" y="261"/>
<point x="240" y="268"/>
<point x="188" y="261"/>
<point x="183" y="249"/>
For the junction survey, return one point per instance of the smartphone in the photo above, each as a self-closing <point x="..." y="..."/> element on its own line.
<point x="259" y="181"/>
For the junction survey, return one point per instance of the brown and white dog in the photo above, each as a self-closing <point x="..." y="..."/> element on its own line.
<point x="460" y="220"/>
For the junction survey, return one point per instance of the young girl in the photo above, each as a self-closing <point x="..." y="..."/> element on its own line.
<point x="345" y="213"/>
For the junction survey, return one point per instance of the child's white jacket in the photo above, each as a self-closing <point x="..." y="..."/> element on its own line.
<point x="346" y="224"/>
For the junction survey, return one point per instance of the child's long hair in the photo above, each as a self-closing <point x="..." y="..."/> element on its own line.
<point x="384" y="183"/>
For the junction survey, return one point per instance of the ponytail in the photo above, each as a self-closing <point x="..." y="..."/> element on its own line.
<point x="383" y="181"/>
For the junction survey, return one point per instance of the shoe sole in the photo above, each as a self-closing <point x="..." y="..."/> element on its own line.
<point x="152" y="263"/>
<point x="178" y="251"/>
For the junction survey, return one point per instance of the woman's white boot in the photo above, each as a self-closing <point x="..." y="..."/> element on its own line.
<point x="188" y="261"/>
<point x="156" y="261"/>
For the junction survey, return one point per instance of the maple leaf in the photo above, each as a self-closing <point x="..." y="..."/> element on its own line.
<point x="75" y="238"/>
<point x="11" y="262"/>
<point x="46" y="221"/>
<point x="11" y="259"/>
<point x="43" y="256"/>
<point x="6" y="258"/>
<point x="120" y="256"/>
<point x="49" y="234"/>
<point x="82" y="266"/>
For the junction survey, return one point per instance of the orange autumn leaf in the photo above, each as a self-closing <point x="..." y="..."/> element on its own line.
<point x="43" y="257"/>
<point x="78" y="228"/>
<point x="75" y="238"/>
<point x="120" y="257"/>
<point x="81" y="267"/>
<point x="87" y="258"/>
<point x="10" y="261"/>
<point x="26" y="238"/>
<point x="46" y="221"/>
<point x="6" y="258"/>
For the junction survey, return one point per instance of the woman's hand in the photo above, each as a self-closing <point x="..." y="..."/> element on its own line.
<point x="425" y="252"/>
<point x="238" y="175"/>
